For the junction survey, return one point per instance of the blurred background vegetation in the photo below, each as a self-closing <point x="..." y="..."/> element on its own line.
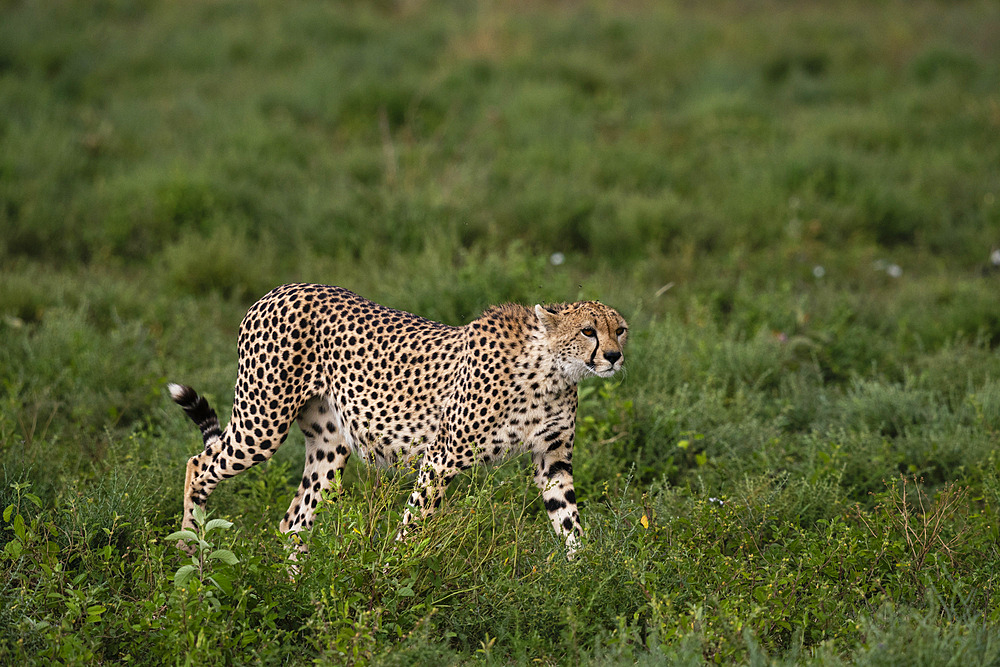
<point x="794" y="203"/>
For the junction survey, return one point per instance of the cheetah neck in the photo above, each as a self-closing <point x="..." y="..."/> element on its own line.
<point x="542" y="372"/>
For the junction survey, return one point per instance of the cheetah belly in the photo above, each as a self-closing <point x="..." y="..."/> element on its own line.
<point x="384" y="441"/>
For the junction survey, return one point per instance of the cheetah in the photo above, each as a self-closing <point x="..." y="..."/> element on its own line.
<point x="392" y="387"/>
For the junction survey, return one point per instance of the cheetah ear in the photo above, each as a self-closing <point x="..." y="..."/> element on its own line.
<point x="548" y="318"/>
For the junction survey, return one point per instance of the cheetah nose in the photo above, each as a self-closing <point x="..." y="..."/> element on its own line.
<point x="612" y="356"/>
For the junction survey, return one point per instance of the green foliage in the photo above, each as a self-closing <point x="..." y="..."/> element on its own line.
<point x="794" y="205"/>
<point x="72" y="371"/>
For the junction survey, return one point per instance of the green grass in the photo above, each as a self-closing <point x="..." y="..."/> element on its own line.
<point x="794" y="205"/>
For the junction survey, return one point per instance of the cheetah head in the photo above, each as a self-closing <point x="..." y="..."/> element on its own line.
<point x="586" y="337"/>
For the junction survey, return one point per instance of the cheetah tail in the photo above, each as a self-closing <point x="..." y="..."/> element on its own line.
<point x="198" y="409"/>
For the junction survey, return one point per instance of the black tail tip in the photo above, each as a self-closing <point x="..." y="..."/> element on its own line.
<point x="182" y="394"/>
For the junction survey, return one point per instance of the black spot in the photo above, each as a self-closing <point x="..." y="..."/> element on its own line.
<point x="553" y="504"/>
<point x="560" y="466"/>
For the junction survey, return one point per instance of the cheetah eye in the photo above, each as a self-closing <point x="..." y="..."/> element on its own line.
<point x="620" y="331"/>
<point x="588" y="332"/>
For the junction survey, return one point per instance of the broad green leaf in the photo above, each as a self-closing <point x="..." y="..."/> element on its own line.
<point x="34" y="499"/>
<point x="198" y="513"/>
<point x="7" y="512"/>
<point x="225" y="555"/>
<point x="13" y="548"/>
<point x="223" y="582"/>
<point x="218" y="523"/>
<point x="19" y="528"/>
<point x="186" y="535"/>
<point x="183" y="575"/>
<point x="405" y="592"/>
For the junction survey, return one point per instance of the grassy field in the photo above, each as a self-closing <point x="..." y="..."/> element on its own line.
<point x="794" y="204"/>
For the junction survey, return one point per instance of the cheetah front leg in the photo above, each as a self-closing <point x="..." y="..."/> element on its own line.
<point x="554" y="476"/>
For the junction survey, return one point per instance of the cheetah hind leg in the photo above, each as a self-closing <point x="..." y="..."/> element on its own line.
<point x="326" y="456"/>
<point x="428" y="493"/>
<point x="227" y="452"/>
<point x="202" y="414"/>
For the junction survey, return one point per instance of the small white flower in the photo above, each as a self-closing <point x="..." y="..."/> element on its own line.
<point x="716" y="500"/>
<point x="819" y="271"/>
<point x="794" y="228"/>
<point x="995" y="257"/>
<point x="894" y="270"/>
<point x="557" y="258"/>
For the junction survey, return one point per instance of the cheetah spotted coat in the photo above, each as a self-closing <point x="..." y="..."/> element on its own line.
<point x="390" y="386"/>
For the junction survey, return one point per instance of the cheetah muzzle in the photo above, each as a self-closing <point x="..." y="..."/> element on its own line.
<point x="388" y="385"/>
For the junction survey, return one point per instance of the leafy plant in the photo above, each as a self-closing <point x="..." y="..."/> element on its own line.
<point x="204" y="554"/>
<point x="24" y="533"/>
